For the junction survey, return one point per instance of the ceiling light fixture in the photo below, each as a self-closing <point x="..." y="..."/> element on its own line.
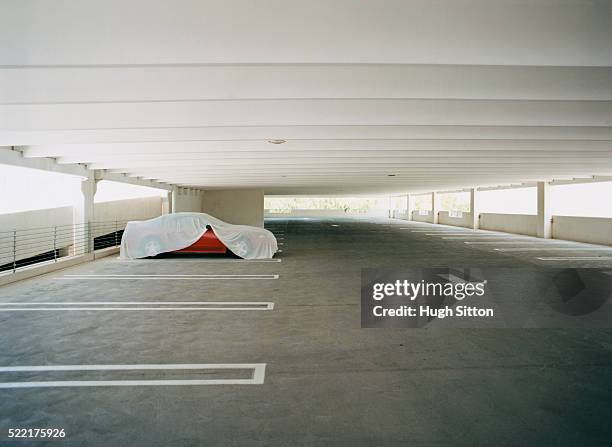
<point x="277" y="141"/>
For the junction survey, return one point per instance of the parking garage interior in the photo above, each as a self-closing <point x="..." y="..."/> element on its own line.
<point x="364" y="136"/>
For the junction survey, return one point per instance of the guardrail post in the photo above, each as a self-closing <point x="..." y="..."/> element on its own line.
<point x="55" y="244"/>
<point x="14" y="250"/>
<point x="90" y="238"/>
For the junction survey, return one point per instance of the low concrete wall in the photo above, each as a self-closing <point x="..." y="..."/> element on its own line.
<point x="121" y="210"/>
<point x="464" y="221"/>
<point x="400" y="214"/>
<point x="418" y="217"/>
<point x="131" y="209"/>
<point x="327" y="213"/>
<point x="593" y="230"/>
<point x="49" y="217"/>
<point x="35" y="242"/>
<point x="40" y="238"/>
<point x="526" y="224"/>
<point x="237" y="206"/>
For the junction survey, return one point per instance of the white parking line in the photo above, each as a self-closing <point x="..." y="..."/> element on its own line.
<point x="460" y="238"/>
<point x="532" y="242"/>
<point x="136" y="305"/>
<point x="458" y="234"/>
<point x="437" y="231"/>
<point x="167" y="277"/>
<point x="553" y="249"/>
<point x="576" y="258"/>
<point x="211" y="260"/>
<point x="257" y="377"/>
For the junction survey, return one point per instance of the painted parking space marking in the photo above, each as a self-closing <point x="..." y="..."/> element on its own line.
<point x="519" y="242"/>
<point x="257" y="375"/>
<point x="167" y="277"/>
<point x="478" y="236"/>
<point x="455" y="233"/>
<point x="451" y="235"/>
<point x="484" y="238"/>
<point x="135" y="305"/>
<point x="519" y="249"/>
<point x="205" y="260"/>
<point x="436" y="231"/>
<point x="576" y="258"/>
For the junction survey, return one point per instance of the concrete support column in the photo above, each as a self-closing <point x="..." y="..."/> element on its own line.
<point x="544" y="213"/>
<point x="435" y="207"/>
<point x="409" y="206"/>
<point x="474" y="208"/>
<point x="173" y="199"/>
<point x="83" y="215"/>
<point x="167" y="203"/>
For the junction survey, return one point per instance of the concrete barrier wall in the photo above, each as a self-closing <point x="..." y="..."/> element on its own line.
<point x="39" y="239"/>
<point x="30" y="244"/>
<point x="327" y="213"/>
<point x="401" y="214"/>
<point x="49" y="217"/>
<point x="510" y="223"/>
<point x="130" y="209"/>
<point x="594" y="230"/>
<point x="418" y="217"/>
<point x="121" y="210"/>
<point x="464" y="221"/>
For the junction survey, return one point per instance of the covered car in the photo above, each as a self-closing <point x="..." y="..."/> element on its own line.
<point x="178" y="231"/>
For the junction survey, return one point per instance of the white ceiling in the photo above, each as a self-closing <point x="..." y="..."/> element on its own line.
<point x="443" y="94"/>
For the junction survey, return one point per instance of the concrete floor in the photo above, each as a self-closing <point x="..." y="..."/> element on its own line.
<point x="328" y="382"/>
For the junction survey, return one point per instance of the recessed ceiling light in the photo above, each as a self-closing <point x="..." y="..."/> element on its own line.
<point x="277" y="141"/>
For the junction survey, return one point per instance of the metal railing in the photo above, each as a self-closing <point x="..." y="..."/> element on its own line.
<point x="26" y="247"/>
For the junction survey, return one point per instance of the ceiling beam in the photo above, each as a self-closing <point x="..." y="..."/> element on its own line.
<point x="90" y="84"/>
<point x="10" y="156"/>
<point x="123" y="178"/>
<point x="184" y="134"/>
<point x="307" y="112"/>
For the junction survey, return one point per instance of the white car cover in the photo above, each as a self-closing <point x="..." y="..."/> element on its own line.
<point x="172" y="232"/>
